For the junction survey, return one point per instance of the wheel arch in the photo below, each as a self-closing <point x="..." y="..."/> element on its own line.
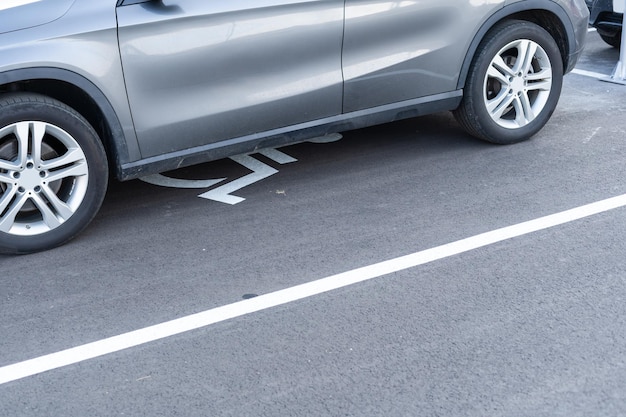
<point x="80" y="94"/>
<point x="548" y="15"/>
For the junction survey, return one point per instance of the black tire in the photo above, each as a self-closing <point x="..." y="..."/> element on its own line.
<point x="520" y="105"/>
<point x="615" y="40"/>
<point x="48" y="196"/>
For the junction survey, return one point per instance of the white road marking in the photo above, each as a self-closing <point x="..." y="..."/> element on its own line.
<point x="590" y="74"/>
<point x="196" y="321"/>
<point x="277" y="156"/>
<point x="595" y="132"/>
<point x="259" y="170"/>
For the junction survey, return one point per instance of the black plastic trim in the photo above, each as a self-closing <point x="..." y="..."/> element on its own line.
<point x="130" y="2"/>
<point x="293" y="134"/>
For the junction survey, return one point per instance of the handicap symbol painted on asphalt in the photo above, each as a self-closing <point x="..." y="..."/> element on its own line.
<point x="223" y="193"/>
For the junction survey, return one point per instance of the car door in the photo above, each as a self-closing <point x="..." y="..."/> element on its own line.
<point x="199" y="72"/>
<point x="397" y="50"/>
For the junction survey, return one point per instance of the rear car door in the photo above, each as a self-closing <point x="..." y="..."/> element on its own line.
<point x="203" y="71"/>
<point x="397" y="50"/>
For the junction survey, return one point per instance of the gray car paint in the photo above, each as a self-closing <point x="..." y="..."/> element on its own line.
<point x="395" y="51"/>
<point x="22" y="14"/>
<point x="203" y="72"/>
<point x="271" y="74"/>
<point x="81" y="44"/>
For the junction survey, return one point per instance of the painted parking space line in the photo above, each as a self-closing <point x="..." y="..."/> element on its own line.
<point x="196" y="321"/>
<point x="591" y="74"/>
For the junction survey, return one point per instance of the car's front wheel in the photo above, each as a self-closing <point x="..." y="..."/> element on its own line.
<point x="513" y="84"/>
<point x="53" y="173"/>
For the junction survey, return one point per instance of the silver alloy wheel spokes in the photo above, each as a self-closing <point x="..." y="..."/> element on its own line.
<point x="39" y="192"/>
<point x="517" y="84"/>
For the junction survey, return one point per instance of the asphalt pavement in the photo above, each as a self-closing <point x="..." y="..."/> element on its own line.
<point x="531" y="325"/>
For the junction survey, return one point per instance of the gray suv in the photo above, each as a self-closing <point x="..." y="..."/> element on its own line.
<point x="93" y="88"/>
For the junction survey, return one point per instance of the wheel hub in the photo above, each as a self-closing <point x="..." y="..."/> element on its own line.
<point x="29" y="179"/>
<point x="518" y="84"/>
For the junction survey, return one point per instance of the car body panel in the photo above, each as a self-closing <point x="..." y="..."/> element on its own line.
<point x="400" y="50"/>
<point x="22" y="14"/>
<point x="204" y="72"/>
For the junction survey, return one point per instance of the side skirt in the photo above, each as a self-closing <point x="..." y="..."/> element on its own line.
<point x="292" y="134"/>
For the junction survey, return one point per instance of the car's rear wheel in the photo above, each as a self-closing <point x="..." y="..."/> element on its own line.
<point x="53" y="173"/>
<point x="513" y="84"/>
<point x="615" y="39"/>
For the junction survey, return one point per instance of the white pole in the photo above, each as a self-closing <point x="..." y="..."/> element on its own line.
<point x="619" y="73"/>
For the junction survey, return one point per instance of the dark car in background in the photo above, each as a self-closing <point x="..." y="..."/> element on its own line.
<point x="90" y="88"/>
<point x="606" y="21"/>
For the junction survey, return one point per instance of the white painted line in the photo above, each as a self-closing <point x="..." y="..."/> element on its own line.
<point x="277" y="156"/>
<point x="260" y="171"/>
<point x="590" y="74"/>
<point x="222" y="194"/>
<point x="592" y="30"/>
<point x="196" y="321"/>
